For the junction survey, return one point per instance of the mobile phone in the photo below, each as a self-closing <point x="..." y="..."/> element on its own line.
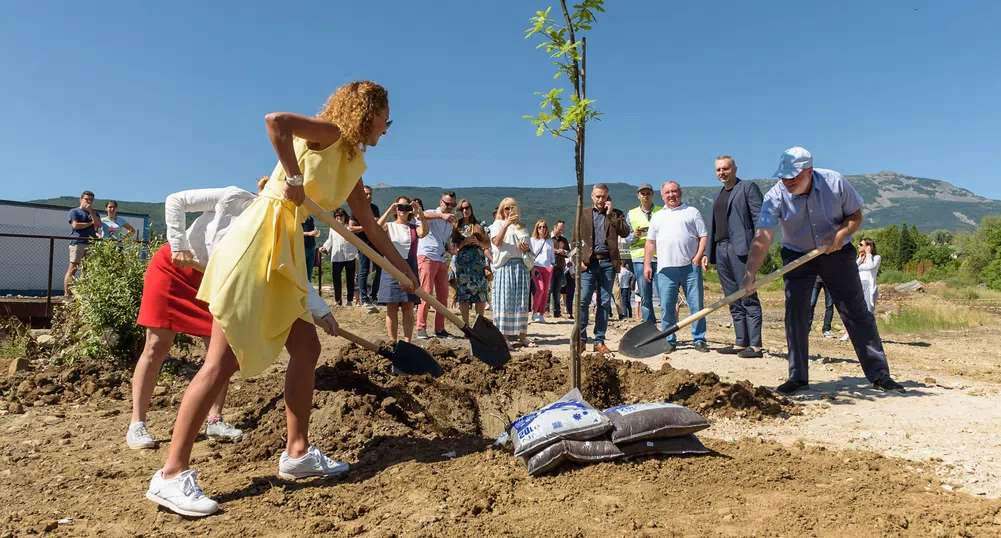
<point x="404" y="207"/>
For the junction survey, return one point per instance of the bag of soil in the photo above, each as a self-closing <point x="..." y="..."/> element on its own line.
<point x="653" y="420"/>
<point x="671" y="446"/>
<point x="570" y="417"/>
<point x="552" y="456"/>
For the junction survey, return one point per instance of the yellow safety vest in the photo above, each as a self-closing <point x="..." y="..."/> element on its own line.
<point x="637" y="219"/>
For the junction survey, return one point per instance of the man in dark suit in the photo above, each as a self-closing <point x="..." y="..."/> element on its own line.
<point x="735" y="213"/>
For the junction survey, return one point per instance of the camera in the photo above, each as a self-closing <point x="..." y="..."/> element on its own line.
<point x="404" y="207"/>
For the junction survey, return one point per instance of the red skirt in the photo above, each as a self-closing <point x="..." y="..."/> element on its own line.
<point x="169" y="298"/>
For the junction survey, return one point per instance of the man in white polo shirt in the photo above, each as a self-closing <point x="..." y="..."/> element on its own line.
<point x="679" y="235"/>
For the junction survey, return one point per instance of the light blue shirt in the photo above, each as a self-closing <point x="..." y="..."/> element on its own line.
<point x="433" y="244"/>
<point x="809" y="219"/>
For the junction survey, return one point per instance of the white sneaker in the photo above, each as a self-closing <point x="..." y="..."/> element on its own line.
<point x="312" y="463"/>
<point x="222" y="430"/>
<point x="827" y="334"/>
<point x="138" y="437"/>
<point x="844" y="338"/>
<point x="180" y="494"/>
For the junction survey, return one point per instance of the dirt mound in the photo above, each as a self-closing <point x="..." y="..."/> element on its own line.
<point x="54" y="384"/>
<point x="363" y="411"/>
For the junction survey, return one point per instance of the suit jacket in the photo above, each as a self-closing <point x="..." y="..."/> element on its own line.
<point x="742" y="216"/>
<point x="616" y="226"/>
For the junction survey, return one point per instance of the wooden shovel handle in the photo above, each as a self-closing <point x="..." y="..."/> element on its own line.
<point x="380" y="260"/>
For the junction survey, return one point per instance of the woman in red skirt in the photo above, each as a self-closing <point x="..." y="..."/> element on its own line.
<point x="169" y="305"/>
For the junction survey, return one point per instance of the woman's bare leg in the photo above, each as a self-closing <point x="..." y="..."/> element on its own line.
<point x="392" y="327"/>
<point x="304" y="350"/>
<point x="464" y="311"/>
<point x="408" y="320"/>
<point x="158" y="343"/>
<point x="211" y="379"/>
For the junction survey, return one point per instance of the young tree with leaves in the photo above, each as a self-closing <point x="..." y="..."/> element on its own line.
<point x="567" y="46"/>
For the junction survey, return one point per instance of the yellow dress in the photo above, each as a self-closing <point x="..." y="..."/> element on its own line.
<point x="255" y="281"/>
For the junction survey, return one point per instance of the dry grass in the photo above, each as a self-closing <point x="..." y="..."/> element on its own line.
<point x="926" y="315"/>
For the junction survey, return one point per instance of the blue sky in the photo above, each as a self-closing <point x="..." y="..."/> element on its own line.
<point x="135" y="100"/>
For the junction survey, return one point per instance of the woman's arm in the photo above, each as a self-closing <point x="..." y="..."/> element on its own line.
<point x="423" y="230"/>
<point x="383" y="219"/>
<point x="282" y="128"/>
<point x="179" y="203"/>
<point x="132" y="231"/>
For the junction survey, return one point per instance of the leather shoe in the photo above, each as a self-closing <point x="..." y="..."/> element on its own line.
<point x="791" y="386"/>
<point x="601" y="348"/>
<point x="750" y="353"/>
<point x="701" y="347"/>
<point x="886" y="383"/>
<point x="729" y="350"/>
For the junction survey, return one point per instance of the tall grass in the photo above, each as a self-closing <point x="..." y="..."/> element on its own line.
<point x="926" y="316"/>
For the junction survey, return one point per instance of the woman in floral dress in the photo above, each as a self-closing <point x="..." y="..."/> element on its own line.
<point x="470" y="240"/>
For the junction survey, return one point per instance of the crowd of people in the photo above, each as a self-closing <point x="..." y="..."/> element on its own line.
<point x="239" y="275"/>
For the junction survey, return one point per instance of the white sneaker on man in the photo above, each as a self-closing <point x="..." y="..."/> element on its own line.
<point x="312" y="463"/>
<point x="827" y="334"/>
<point x="181" y="494"/>
<point x="138" y="436"/>
<point x="223" y="431"/>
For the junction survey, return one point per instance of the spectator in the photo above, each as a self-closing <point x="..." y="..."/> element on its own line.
<point x="509" y="243"/>
<point x="366" y="294"/>
<point x="544" y="255"/>
<point x="868" y="267"/>
<point x="679" y="235"/>
<point x="471" y="242"/>
<point x="309" y="235"/>
<point x="828" y="306"/>
<point x="84" y="225"/>
<point x="112" y="225"/>
<point x="399" y="223"/>
<point x="734" y="215"/>
<point x="561" y="250"/>
<point x="600" y="229"/>
<point x="626" y="284"/>
<point x="342" y="259"/>
<point x="569" y="287"/>
<point x="431" y="262"/>
<point x="817" y="208"/>
<point x="639" y="223"/>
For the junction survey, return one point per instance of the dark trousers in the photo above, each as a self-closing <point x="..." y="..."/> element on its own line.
<point x="840" y="275"/>
<point x="310" y="262"/>
<point x="627" y="300"/>
<point x="365" y="266"/>
<point x="746" y="312"/>
<point x="600" y="277"/>
<point x="336" y="269"/>
<point x="828" y="305"/>
<point x="555" y="290"/>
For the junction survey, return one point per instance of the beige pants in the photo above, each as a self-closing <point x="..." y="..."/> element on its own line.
<point x="77" y="252"/>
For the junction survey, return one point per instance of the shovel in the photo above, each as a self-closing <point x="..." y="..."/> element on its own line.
<point x="646" y="340"/>
<point x="406" y="357"/>
<point x="485" y="341"/>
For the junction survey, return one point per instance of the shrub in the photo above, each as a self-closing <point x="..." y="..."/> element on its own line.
<point x="105" y="305"/>
<point x="15" y="339"/>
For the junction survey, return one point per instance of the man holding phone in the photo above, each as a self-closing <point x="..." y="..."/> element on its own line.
<point x="600" y="229"/>
<point x="639" y="221"/>
<point x="431" y="266"/>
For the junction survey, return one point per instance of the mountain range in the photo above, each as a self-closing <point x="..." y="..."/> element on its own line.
<point x="890" y="198"/>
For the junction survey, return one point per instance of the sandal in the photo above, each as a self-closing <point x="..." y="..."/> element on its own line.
<point x="529" y="343"/>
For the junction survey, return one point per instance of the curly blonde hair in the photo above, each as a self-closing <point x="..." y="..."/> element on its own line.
<point x="261" y="182"/>
<point x="352" y="108"/>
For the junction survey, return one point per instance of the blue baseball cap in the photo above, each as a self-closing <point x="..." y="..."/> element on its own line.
<point x="793" y="161"/>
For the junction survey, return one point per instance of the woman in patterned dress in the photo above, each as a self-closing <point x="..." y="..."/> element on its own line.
<point x="470" y="240"/>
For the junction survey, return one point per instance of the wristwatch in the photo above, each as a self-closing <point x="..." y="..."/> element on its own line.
<point x="295" y="181"/>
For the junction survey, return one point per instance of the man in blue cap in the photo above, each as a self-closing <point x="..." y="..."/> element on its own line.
<point x="817" y="208"/>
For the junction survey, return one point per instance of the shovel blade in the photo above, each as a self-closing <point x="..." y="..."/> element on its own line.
<point x="645" y="340"/>
<point x="486" y="342"/>
<point x="413" y="360"/>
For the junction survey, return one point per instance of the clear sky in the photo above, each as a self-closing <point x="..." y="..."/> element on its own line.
<point x="135" y="100"/>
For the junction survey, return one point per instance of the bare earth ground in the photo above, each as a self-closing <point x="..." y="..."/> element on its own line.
<point x="839" y="460"/>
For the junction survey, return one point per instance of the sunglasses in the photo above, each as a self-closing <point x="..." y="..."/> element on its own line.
<point x="448" y="204"/>
<point x="388" y="123"/>
<point x="465" y="208"/>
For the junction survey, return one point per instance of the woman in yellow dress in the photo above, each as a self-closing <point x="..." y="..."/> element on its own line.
<point x="255" y="283"/>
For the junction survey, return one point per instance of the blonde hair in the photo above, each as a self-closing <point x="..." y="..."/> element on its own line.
<point x="535" y="230"/>
<point x="261" y="183"/>
<point x="506" y="203"/>
<point x="352" y="108"/>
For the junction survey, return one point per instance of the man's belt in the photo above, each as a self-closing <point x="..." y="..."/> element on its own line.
<point x="600" y="256"/>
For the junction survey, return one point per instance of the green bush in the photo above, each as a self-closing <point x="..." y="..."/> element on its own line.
<point x="15" y="339"/>
<point x="106" y="301"/>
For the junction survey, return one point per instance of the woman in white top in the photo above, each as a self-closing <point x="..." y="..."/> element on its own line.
<point x="542" y="274"/>
<point x="868" y="269"/>
<point x="404" y="231"/>
<point x="169" y="305"/>
<point x="508" y="245"/>
<point x="342" y="258"/>
<point x="112" y="225"/>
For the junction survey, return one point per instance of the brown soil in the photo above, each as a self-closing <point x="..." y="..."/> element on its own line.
<point x="423" y="463"/>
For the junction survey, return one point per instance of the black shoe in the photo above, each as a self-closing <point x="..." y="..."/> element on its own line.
<point x="443" y="335"/>
<point x="701" y="347"/>
<point x="886" y="383"/>
<point x="750" y="353"/>
<point x="729" y="350"/>
<point x="791" y="386"/>
<point x="670" y="349"/>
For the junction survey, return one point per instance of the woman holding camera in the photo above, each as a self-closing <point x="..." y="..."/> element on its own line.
<point x="509" y="243"/>
<point x="404" y="231"/>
